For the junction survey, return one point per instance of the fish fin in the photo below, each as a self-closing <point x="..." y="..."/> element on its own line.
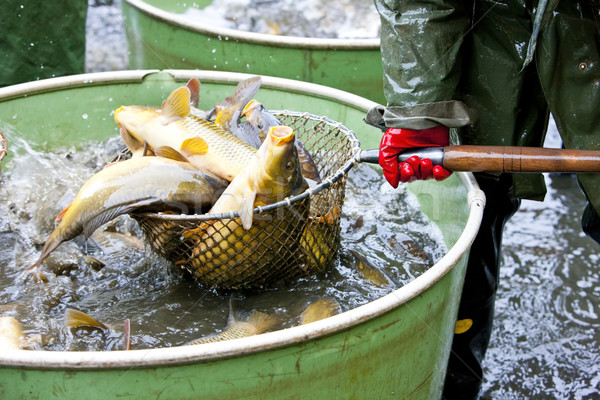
<point x="229" y="110"/>
<point x="320" y="309"/>
<point x="110" y="164"/>
<point x="109" y="214"/>
<point x="53" y="241"/>
<point x="195" y="146"/>
<point x="262" y="322"/>
<point x="195" y="231"/>
<point x="245" y="91"/>
<point x="61" y="214"/>
<point x="250" y="106"/>
<point x="170" y="153"/>
<point x="307" y="164"/>
<point x="194" y="86"/>
<point x="177" y="104"/>
<point x="146" y="151"/>
<point x="76" y="319"/>
<point x="231" y="319"/>
<point x="247" y="208"/>
<point x="126" y="335"/>
<point x="211" y="114"/>
<point x="131" y="142"/>
<point x="330" y="217"/>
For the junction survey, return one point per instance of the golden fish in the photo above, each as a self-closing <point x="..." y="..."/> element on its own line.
<point x="406" y="247"/>
<point x="205" y="145"/>
<point x="320" y="309"/>
<point x="368" y="271"/>
<point x="75" y="319"/>
<point x="231" y="252"/>
<point x="320" y="240"/>
<point x="130" y="185"/>
<point x="259" y="117"/>
<point x="273" y="175"/>
<point x="228" y="112"/>
<point x="262" y="120"/>
<point x="240" y="327"/>
<point x="11" y="334"/>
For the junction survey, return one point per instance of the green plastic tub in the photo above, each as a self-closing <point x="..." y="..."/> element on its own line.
<point x="158" y="36"/>
<point x="393" y="347"/>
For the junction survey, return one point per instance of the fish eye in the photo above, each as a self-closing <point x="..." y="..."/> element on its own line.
<point x="289" y="166"/>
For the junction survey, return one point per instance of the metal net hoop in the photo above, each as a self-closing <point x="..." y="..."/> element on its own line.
<point x="295" y="237"/>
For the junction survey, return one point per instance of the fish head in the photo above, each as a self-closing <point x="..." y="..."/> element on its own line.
<point x="259" y="117"/>
<point x="134" y="117"/>
<point x="229" y="110"/>
<point x="280" y="175"/>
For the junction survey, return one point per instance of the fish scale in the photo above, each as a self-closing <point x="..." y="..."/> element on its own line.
<point x="173" y="127"/>
<point x="130" y="185"/>
<point x="224" y="149"/>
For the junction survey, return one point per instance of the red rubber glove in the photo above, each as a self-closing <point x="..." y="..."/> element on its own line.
<point x="396" y="140"/>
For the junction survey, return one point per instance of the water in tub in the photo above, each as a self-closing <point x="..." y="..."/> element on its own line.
<point x="112" y="277"/>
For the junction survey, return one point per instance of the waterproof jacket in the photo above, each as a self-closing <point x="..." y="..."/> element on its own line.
<point x="494" y="70"/>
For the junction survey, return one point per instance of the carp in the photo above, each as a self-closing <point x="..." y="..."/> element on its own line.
<point x="136" y="184"/>
<point x="174" y="129"/>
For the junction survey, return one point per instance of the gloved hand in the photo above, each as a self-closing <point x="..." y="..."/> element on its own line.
<point x="396" y="140"/>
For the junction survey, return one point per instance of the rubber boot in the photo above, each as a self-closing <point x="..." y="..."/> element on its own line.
<point x="464" y="374"/>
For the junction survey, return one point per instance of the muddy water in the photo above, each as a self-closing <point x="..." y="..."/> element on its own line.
<point x="113" y="278"/>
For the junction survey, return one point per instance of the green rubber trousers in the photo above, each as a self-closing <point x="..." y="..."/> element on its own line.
<point x="493" y="71"/>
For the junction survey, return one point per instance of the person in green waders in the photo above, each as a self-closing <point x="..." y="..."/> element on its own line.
<point x="41" y="39"/>
<point x="491" y="71"/>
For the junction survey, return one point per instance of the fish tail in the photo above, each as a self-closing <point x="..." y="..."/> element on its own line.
<point x="53" y="241"/>
<point x="78" y="319"/>
<point x="262" y="322"/>
<point x="320" y="309"/>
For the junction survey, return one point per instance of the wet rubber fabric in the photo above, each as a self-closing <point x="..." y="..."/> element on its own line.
<point x="494" y="70"/>
<point x="41" y="39"/>
<point x="464" y="374"/>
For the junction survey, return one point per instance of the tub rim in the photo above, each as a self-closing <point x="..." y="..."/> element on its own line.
<point x="38" y="359"/>
<point x="253" y="37"/>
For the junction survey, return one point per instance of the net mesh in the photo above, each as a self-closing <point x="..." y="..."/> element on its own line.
<point x="296" y="237"/>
